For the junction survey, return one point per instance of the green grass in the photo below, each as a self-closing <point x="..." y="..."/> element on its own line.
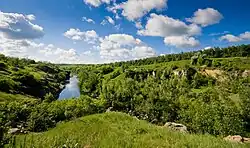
<point x="5" y="97"/>
<point x="117" y="130"/>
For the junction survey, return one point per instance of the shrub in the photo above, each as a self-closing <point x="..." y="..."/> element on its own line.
<point x="209" y="113"/>
<point x="6" y="84"/>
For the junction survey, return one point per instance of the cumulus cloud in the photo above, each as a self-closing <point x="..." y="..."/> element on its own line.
<point x="117" y="47"/>
<point x="206" y="17"/>
<point x="31" y="17"/>
<point x="163" y="26"/>
<point x="175" y="32"/>
<point x="181" y="41"/>
<point x="245" y="36"/>
<point x="19" y="26"/>
<point x="232" y="38"/>
<point x="38" y="51"/>
<point x="76" y="34"/>
<point x="135" y="9"/>
<point x="85" y="19"/>
<point x="96" y="3"/>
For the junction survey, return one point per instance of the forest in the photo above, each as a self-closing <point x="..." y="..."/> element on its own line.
<point x="206" y="90"/>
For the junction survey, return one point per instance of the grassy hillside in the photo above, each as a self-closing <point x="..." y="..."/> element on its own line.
<point x="24" y="79"/>
<point x="207" y="91"/>
<point x="117" y="130"/>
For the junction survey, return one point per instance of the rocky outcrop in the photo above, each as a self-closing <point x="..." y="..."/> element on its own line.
<point x="246" y="73"/>
<point x="14" y="131"/>
<point x="176" y="127"/>
<point x="237" y="138"/>
<point x="216" y="73"/>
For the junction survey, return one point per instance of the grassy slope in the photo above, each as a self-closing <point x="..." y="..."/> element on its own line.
<point x="6" y="97"/>
<point x="117" y="130"/>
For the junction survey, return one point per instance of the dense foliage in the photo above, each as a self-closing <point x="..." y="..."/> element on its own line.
<point x="24" y="76"/>
<point x="205" y="90"/>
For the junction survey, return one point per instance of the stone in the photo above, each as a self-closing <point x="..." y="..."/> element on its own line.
<point x="14" y="131"/>
<point x="246" y="140"/>
<point x="109" y="109"/>
<point x="176" y="127"/>
<point x="235" y="138"/>
<point x="246" y="73"/>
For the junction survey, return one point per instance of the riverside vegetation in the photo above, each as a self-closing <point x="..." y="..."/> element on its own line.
<point x="208" y="91"/>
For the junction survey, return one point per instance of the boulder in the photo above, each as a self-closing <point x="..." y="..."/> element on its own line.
<point x="237" y="138"/>
<point x="246" y="73"/>
<point x="14" y="131"/>
<point x="176" y="127"/>
<point x="246" y="140"/>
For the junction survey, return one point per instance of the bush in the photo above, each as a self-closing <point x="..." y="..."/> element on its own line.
<point x="41" y="116"/>
<point x="209" y="113"/>
<point x="49" y="98"/>
<point x="7" y="84"/>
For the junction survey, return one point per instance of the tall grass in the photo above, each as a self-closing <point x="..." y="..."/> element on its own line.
<point x="117" y="130"/>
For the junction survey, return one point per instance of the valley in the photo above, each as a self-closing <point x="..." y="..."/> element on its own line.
<point x="207" y="91"/>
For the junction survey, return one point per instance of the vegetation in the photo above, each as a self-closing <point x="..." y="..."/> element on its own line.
<point x="26" y="77"/>
<point x="208" y="91"/>
<point x="117" y="130"/>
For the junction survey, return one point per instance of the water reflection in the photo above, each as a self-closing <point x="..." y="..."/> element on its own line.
<point x="71" y="90"/>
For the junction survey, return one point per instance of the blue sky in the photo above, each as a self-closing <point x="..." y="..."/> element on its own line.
<point x="98" y="31"/>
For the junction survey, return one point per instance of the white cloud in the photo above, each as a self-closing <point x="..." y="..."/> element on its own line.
<point x="38" y="51"/>
<point x="181" y="41"/>
<point x="118" y="27"/>
<point x="117" y="47"/>
<point x="245" y="36"/>
<point x="110" y="20"/>
<point x="163" y="26"/>
<point x="19" y="26"/>
<point x="31" y="17"/>
<point x="138" y="25"/>
<point x="104" y="22"/>
<point x="232" y="38"/>
<point x="175" y="32"/>
<point x="85" y="19"/>
<point x="96" y="3"/>
<point x="209" y="47"/>
<point x="219" y="33"/>
<point x="206" y="17"/>
<point x="90" y="37"/>
<point x="143" y="52"/>
<point x="107" y="20"/>
<point x="135" y="9"/>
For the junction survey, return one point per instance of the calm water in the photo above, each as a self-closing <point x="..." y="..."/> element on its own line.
<point x="71" y="90"/>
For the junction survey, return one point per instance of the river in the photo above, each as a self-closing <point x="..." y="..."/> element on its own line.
<point x="71" y="89"/>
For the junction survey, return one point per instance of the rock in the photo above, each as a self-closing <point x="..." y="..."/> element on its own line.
<point x="109" y="109"/>
<point x="246" y="73"/>
<point x="246" y="140"/>
<point x="237" y="138"/>
<point x="176" y="127"/>
<point x="14" y="131"/>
